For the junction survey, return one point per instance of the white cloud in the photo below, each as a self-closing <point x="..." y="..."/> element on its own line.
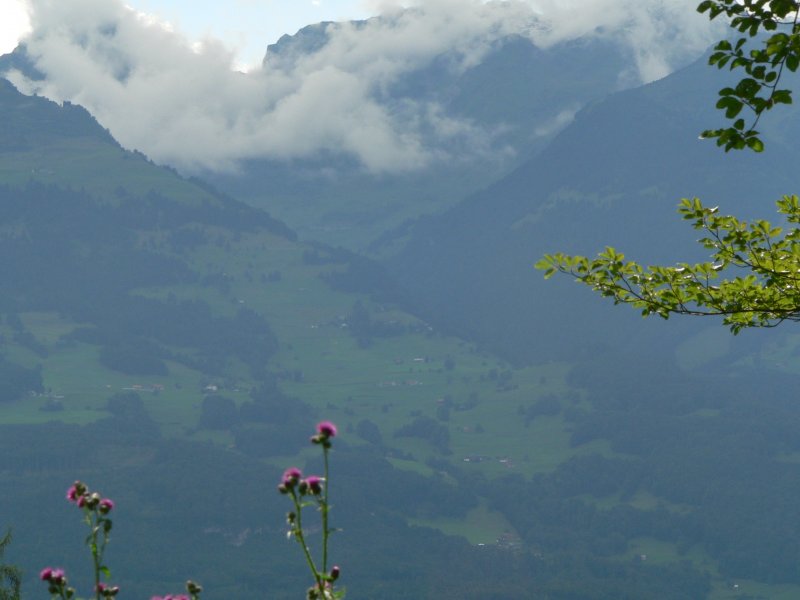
<point x="661" y="33"/>
<point x="563" y="118"/>
<point x="181" y="101"/>
<point x="14" y="24"/>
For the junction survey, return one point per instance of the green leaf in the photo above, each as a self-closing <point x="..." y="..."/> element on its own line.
<point x="782" y="97"/>
<point x="704" y="6"/>
<point x="733" y="109"/>
<point x="723" y="45"/>
<point x="755" y="144"/>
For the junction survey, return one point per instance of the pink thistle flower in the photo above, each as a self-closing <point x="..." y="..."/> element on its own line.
<point x="105" y="506"/>
<point x="46" y="574"/>
<point x="81" y="501"/>
<point x="291" y="476"/>
<point x="57" y="576"/>
<point x="326" y="429"/>
<point x="72" y="494"/>
<point x="314" y="485"/>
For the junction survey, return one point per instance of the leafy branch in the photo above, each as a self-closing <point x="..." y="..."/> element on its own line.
<point x="767" y="294"/>
<point x="764" y="66"/>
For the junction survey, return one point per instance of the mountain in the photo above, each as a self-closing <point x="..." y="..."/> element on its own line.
<point x="149" y="328"/>
<point x="517" y="96"/>
<point x="612" y="177"/>
<point x="173" y="346"/>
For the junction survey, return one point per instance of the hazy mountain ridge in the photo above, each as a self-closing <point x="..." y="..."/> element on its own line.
<point x="612" y="177"/>
<point x="516" y="98"/>
<point x="31" y="117"/>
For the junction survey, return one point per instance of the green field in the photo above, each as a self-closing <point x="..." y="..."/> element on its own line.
<point x="391" y="382"/>
<point x="481" y="525"/>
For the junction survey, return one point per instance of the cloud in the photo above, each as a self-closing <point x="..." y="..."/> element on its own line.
<point x="660" y="33"/>
<point x="182" y="102"/>
<point x="563" y="118"/>
<point x="13" y="24"/>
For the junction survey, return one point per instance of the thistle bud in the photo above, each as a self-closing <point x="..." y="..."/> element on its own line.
<point x="314" y="485"/>
<point x="290" y="477"/>
<point x="105" y="506"/>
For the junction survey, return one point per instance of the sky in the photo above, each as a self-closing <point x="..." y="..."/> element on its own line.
<point x="247" y="25"/>
<point x="165" y="76"/>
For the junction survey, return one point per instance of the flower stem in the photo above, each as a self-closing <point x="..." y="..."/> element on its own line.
<point x="298" y="533"/>
<point x="96" y="559"/>
<point x="325" y="506"/>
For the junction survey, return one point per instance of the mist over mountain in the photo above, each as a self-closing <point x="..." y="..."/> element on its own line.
<point x="350" y="129"/>
<point x="514" y="100"/>
<point x="192" y="110"/>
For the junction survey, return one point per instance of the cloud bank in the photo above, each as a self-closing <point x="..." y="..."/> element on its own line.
<point x="182" y="103"/>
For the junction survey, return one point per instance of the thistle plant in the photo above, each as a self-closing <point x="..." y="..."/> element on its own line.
<point x="304" y="492"/>
<point x="96" y="510"/>
<point x="307" y="492"/>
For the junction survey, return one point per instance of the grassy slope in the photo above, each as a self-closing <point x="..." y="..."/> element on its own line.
<point x="96" y="166"/>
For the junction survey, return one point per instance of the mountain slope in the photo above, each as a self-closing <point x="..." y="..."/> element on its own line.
<point x="178" y="345"/>
<point x="166" y="337"/>
<point x="613" y="177"/>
